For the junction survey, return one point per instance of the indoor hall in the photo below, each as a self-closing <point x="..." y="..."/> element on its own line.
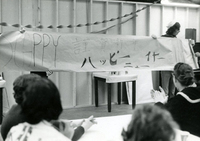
<point x="71" y="41"/>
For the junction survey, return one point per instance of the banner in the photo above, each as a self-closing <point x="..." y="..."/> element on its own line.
<point x="41" y="51"/>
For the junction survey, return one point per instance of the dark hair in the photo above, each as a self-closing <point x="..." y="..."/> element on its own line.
<point x="20" y="84"/>
<point x="150" y="123"/>
<point x="173" y="28"/>
<point x="41" y="101"/>
<point x="184" y="74"/>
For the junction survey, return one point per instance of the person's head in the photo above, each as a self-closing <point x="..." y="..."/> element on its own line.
<point x="183" y="74"/>
<point x="20" y="84"/>
<point x="41" y="101"/>
<point x="173" y="28"/>
<point x="150" y="123"/>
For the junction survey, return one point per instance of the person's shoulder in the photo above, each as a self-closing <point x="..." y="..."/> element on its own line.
<point x="192" y="92"/>
<point x="169" y="36"/>
<point x="46" y="131"/>
<point x="18" y="127"/>
<point x="176" y="100"/>
<point x="42" y="130"/>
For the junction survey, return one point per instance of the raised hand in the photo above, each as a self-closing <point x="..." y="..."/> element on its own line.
<point x="158" y="96"/>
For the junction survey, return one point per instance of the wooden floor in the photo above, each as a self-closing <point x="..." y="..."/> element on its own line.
<point x="101" y="111"/>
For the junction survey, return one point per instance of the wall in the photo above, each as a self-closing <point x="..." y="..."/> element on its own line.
<point x="76" y="88"/>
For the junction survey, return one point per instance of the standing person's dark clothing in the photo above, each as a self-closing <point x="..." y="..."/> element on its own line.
<point x="166" y="77"/>
<point x="170" y="36"/>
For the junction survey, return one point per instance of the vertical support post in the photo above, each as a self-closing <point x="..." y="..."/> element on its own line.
<point x="89" y="15"/>
<point x="89" y="74"/>
<point x="96" y="91"/>
<point x="20" y="13"/>
<point x="162" y="19"/>
<point x="39" y="13"/>
<point x="120" y="20"/>
<point x="1" y="11"/>
<point x="187" y="17"/>
<point x="89" y="28"/>
<point x="175" y="12"/>
<point x="133" y="94"/>
<point x="109" y="97"/>
<point x="57" y="79"/>
<point x="57" y="23"/>
<point x="34" y="11"/>
<point x="135" y="23"/>
<point x="74" y="16"/>
<point x="74" y="73"/>
<point x="106" y="16"/>
<point x="119" y="87"/>
<point x="74" y="89"/>
<point x="149" y="21"/>
<point x="198" y="17"/>
<point x="1" y="105"/>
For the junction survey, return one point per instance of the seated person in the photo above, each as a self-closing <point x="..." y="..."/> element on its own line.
<point x="15" y="116"/>
<point x="150" y="123"/>
<point x="184" y="106"/>
<point x="41" y="104"/>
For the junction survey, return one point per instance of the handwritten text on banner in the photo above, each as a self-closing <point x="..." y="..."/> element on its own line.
<point x="41" y="51"/>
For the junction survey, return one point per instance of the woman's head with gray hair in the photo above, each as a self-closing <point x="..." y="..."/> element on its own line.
<point x="150" y="123"/>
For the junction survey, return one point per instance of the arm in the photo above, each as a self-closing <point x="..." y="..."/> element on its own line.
<point x="73" y="130"/>
<point x="78" y="132"/>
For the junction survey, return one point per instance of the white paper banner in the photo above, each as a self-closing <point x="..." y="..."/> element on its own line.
<point x="41" y="51"/>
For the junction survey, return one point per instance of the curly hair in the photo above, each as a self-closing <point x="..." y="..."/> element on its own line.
<point x="184" y="74"/>
<point x="20" y="84"/>
<point x="41" y="101"/>
<point x="150" y="123"/>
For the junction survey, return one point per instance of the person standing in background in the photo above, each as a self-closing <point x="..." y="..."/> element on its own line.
<point x="166" y="76"/>
<point x="173" y="29"/>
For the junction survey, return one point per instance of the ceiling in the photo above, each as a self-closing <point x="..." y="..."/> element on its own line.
<point x="176" y="1"/>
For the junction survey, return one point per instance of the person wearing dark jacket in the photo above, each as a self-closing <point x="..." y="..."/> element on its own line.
<point x="166" y="77"/>
<point x="173" y="29"/>
<point x="184" y="106"/>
